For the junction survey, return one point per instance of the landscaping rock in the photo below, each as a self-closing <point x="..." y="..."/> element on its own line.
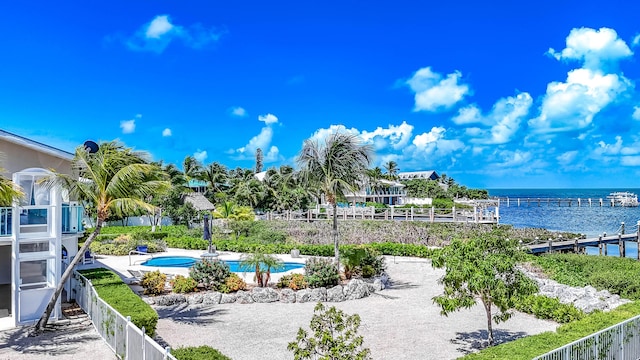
<point x="264" y="295"/>
<point x="195" y="299"/>
<point x="228" y="298"/>
<point x="303" y="295"/>
<point x="212" y="298"/>
<point x="335" y="294"/>
<point x="319" y="294"/>
<point x="170" y="299"/>
<point x="356" y="289"/>
<point x="244" y="297"/>
<point x="287" y="296"/>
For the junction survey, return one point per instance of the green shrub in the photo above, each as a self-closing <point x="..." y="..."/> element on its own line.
<point x="544" y="307"/>
<point x="116" y="293"/>
<point x="153" y="282"/>
<point x="232" y="283"/>
<point x="181" y="284"/>
<point x="211" y="274"/>
<point x="362" y="260"/>
<point x="198" y="353"/>
<point x="293" y="282"/>
<point x="376" y="205"/>
<point x="320" y="272"/>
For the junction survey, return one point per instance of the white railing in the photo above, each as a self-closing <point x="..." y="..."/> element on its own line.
<point x="619" y="342"/>
<point x="123" y="337"/>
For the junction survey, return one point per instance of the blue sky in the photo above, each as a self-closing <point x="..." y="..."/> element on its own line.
<point x="504" y="95"/>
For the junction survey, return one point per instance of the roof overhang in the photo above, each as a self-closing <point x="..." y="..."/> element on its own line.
<point x="31" y="144"/>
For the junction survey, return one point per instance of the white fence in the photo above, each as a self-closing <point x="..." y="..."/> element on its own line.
<point x="123" y="337"/>
<point x="619" y="342"/>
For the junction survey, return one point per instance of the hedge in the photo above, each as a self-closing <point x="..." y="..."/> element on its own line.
<point x="198" y="353"/>
<point x="116" y="293"/>
<point x="535" y="345"/>
<point x="285" y="248"/>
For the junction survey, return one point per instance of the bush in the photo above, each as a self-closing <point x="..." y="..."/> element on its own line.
<point x="154" y="282"/>
<point x="320" y="272"/>
<point x="198" y="353"/>
<point x="232" y="283"/>
<point x="183" y="284"/>
<point x="116" y="293"/>
<point x="548" y="308"/>
<point x="211" y="274"/>
<point x="362" y="260"/>
<point x="293" y="282"/>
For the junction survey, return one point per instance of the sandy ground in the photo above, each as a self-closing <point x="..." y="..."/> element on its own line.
<point x="71" y="339"/>
<point x="398" y="323"/>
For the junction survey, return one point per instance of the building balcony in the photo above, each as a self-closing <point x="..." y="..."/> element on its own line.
<point x="37" y="219"/>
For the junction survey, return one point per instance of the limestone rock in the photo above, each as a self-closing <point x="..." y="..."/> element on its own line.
<point x="244" y="297"/>
<point x="319" y="294"/>
<point x="195" y="299"/>
<point x="211" y="298"/>
<point x="356" y="289"/>
<point x="335" y="294"/>
<point x="228" y="298"/>
<point x="264" y="295"/>
<point x="287" y="296"/>
<point x="303" y="295"/>
<point x="170" y="299"/>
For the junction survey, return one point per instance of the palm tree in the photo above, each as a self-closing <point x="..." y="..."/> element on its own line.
<point x="262" y="264"/>
<point x="373" y="179"/>
<point x="215" y="174"/>
<point x="115" y="180"/>
<point x="8" y="191"/>
<point x="191" y="168"/>
<point x="392" y="169"/>
<point x="335" y="167"/>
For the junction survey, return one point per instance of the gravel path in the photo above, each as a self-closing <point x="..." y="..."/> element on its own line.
<point x="400" y="322"/>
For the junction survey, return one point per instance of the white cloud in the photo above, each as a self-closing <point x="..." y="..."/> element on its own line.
<point x="201" y="156"/>
<point x="468" y="115"/>
<point x="160" y="32"/>
<point x="425" y="139"/>
<point x="571" y="105"/>
<point x="261" y="140"/>
<point x="398" y="136"/>
<point x="630" y="161"/>
<point x="138" y="116"/>
<point x="636" y="113"/>
<point x="272" y="155"/>
<point x="128" y="126"/>
<point x="504" y="119"/>
<point x="321" y="134"/>
<point x="595" y="48"/>
<point x="434" y="142"/>
<point x="268" y="119"/>
<point x="433" y="92"/>
<point x="636" y="40"/>
<point x="567" y="157"/>
<point x="159" y="26"/>
<point x="166" y="132"/>
<point x="238" y="111"/>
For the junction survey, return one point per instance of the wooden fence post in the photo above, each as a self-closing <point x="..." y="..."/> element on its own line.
<point x="620" y="245"/>
<point x="550" y="245"/>
<point x="600" y="244"/>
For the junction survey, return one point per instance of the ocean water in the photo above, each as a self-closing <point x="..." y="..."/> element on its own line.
<point x="589" y="220"/>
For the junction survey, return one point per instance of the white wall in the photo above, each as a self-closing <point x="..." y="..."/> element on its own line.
<point x="416" y="201"/>
<point x="5" y="264"/>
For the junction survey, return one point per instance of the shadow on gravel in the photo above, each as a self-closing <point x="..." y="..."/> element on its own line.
<point x="54" y="341"/>
<point x="469" y="342"/>
<point x="185" y="314"/>
<point x="401" y="285"/>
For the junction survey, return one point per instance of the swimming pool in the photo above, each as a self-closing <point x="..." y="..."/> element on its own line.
<point x="187" y="262"/>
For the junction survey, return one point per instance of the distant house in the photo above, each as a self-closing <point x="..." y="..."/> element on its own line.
<point x="385" y="192"/>
<point x="426" y="175"/>
<point x="38" y="234"/>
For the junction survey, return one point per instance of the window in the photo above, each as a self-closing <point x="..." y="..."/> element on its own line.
<point x="33" y="274"/>
<point x="34" y="247"/>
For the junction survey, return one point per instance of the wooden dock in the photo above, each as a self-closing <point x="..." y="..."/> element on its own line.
<point x="457" y="215"/>
<point x="533" y="201"/>
<point x="578" y="245"/>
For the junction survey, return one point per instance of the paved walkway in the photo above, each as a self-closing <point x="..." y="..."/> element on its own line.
<point x="398" y="323"/>
<point x="74" y="338"/>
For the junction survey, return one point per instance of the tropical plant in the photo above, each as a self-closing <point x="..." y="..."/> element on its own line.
<point x="8" y="191"/>
<point x="198" y="353"/>
<point x="210" y="274"/>
<point x="154" y="282"/>
<point x="191" y="168"/>
<point x="484" y="268"/>
<point x="113" y="179"/>
<point x="261" y="264"/>
<point x="232" y="283"/>
<point x="335" y="337"/>
<point x="293" y="282"/>
<point x="335" y="167"/>
<point x="392" y="169"/>
<point x="321" y="272"/>
<point x="181" y="284"/>
<point x="215" y="174"/>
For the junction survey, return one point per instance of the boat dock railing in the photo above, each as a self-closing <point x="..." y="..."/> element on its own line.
<point x="539" y="201"/>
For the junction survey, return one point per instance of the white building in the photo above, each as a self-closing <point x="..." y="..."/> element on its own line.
<point x="38" y="234"/>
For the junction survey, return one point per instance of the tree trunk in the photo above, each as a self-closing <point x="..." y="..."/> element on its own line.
<point x="40" y="325"/>
<point x="487" y="308"/>
<point x="334" y="233"/>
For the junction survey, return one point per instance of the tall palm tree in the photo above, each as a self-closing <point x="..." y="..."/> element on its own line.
<point x="115" y="180"/>
<point x="191" y="168"/>
<point x="8" y="191"/>
<point x="215" y="174"/>
<point x="392" y="169"/>
<point x="335" y="167"/>
<point x="373" y="179"/>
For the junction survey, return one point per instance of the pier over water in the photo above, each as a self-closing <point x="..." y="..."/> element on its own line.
<point x="540" y="201"/>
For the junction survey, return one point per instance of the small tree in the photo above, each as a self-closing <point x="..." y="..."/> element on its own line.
<point x="262" y="264"/>
<point x="482" y="268"/>
<point x="335" y="337"/>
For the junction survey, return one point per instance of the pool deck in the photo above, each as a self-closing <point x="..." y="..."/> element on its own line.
<point x="120" y="264"/>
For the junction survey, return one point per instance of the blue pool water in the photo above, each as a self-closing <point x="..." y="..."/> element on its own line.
<point x="187" y="262"/>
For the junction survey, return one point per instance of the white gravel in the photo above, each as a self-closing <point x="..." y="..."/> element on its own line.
<point x="398" y="323"/>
